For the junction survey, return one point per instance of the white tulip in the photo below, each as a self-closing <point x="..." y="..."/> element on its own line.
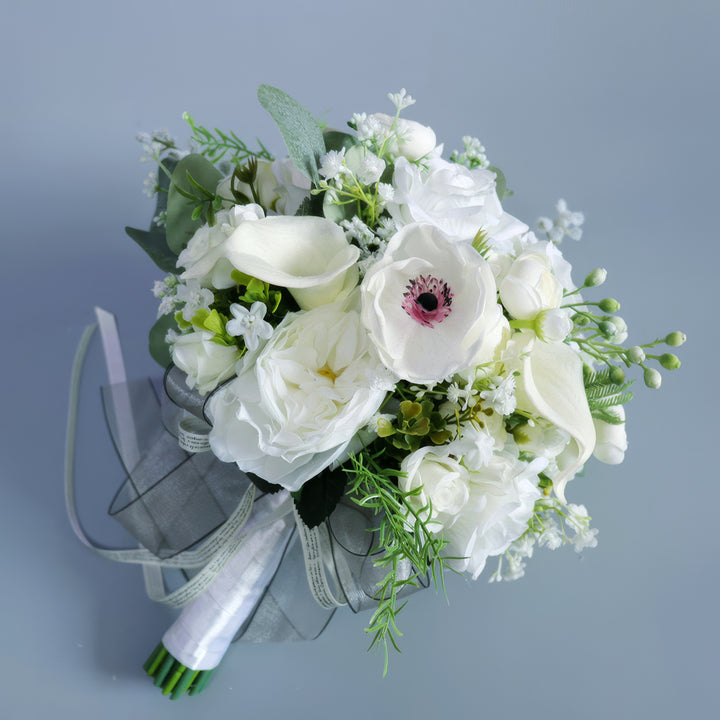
<point x="611" y="443"/>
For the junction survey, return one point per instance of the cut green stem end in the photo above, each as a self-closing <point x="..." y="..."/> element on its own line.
<point x="172" y="676"/>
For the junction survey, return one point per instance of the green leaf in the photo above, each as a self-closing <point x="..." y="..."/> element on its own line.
<point x="159" y="349"/>
<point x="263" y="485"/>
<point x="153" y="242"/>
<point x="319" y="496"/>
<point x="311" y="205"/>
<point x="500" y="183"/>
<point x="337" y="140"/>
<point x="214" y="322"/>
<point x="181" y="225"/>
<point x="299" y="129"/>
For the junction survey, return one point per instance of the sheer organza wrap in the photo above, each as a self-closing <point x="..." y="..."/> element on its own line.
<point x="189" y="510"/>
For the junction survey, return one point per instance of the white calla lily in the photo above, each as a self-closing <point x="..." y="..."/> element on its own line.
<point x="307" y="255"/>
<point x="551" y="386"/>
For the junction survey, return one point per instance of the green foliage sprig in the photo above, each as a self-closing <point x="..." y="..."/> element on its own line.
<point x="605" y="389"/>
<point x="216" y="144"/>
<point x="403" y="537"/>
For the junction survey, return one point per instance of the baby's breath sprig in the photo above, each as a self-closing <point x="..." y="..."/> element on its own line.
<point x="406" y="545"/>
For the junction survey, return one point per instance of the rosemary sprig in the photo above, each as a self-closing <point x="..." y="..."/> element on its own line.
<point x="404" y="540"/>
<point x="215" y="145"/>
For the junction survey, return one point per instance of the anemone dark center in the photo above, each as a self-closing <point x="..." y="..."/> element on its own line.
<point x="427" y="301"/>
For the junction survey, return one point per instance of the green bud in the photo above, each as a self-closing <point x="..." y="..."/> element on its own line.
<point x="596" y="277"/>
<point x="670" y="361"/>
<point x="609" y="305"/>
<point x="607" y="328"/>
<point x="636" y="355"/>
<point x="617" y="375"/>
<point x="652" y="378"/>
<point x="580" y="320"/>
<point x="675" y="339"/>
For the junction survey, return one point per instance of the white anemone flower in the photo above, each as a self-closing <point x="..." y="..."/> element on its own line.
<point x="430" y="305"/>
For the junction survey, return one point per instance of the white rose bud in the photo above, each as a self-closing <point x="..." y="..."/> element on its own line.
<point x="442" y="483"/>
<point x="530" y="285"/>
<point x="611" y="440"/>
<point x="414" y="140"/>
<point x="206" y="363"/>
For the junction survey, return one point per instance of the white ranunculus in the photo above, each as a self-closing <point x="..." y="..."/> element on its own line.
<point x="530" y="286"/>
<point x="203" y="258"/>
<point x="430" y="305"/>
<point x="296" y="405"/>
<point x="442" y="483"/>
<point x="206" y="363"/>
<point x="611" y="443"/>
<point x="308" y="255"/>
<point x="550" y="386"/>
<point x="414" y="141"/>
<point x="457" y="200"/>
<point x="500" y="503"/>
<point x="281" y="187"/>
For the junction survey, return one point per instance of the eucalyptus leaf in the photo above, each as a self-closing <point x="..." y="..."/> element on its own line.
<point x="153" y="242"/>
<point x="159" y="349"/>
<point x="500" y="183"/>
<point x="300" y="130"/>
<point x="181" y="225"/>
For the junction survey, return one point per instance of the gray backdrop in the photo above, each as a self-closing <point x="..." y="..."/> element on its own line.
<point x="612" y="105"/>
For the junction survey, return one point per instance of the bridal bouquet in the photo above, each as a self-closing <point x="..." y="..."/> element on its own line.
<point x="361" y="324"/>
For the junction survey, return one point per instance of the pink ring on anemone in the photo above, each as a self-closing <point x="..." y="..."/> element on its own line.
<point x="427" y="300"/>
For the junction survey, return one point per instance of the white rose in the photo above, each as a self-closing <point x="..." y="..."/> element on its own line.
<point x="442" y="483"/>
<point x="414" y="140"/>
<point x="206" y="363"/>
<point x="530" y="286"/>
<point x="281" y="187"/>
<point x="501" y="501"/>
<point x="308" y="255"/>
<point x="295" y="407"/>
<point x="203" y="257"/>
<point x="457" y="200"/>
<point x="611" y="443"/>
<point x="430" y="305"/>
